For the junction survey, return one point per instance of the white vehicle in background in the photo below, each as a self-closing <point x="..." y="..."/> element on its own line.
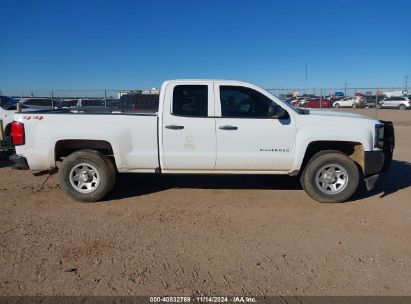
<point x="8" y="106"/>
<point x="395" y="102"/>
<point x="396" y="93"/>
<point x="206" y="127"/>
<point x="350" y="102"/>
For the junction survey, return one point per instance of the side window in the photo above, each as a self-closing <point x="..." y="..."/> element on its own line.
<point x="190" y="100"/>
<point x="30" y="102"/>
<point x="45" y="102"/>
<point x="92" y="103"/>
<point x="39" y="102"/>
<point x="239" y="101"/>
<point x="33" y="102"/>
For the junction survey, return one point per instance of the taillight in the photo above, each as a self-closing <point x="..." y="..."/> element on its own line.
<point x="17" y="133"/>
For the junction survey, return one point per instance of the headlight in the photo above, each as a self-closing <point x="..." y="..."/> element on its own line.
<point x="379" y="136"/>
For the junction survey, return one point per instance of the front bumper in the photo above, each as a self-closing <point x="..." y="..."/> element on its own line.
<point x="20" y="162"/>
<point x="373" y="162"/>
<point x="377" y="162"/>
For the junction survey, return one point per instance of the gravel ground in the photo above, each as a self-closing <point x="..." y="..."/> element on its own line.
<point x="185" y="235"/>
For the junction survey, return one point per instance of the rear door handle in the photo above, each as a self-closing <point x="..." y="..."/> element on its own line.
<point x="174" y="127"/>
<point x="228" y="128"/>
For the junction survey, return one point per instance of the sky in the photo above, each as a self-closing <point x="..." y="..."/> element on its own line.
<point x="139" y="44"/>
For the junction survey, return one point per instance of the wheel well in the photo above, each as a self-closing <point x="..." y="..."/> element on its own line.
<point x="353" y="150"/>
<point x="64" y="148"/>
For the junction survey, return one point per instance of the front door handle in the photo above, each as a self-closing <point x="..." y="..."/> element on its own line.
<point x="228" y="128"/>
<point x="174" y="127"/>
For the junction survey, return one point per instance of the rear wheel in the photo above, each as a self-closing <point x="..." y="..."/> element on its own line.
<point x="402" y="107"/>
<point x="330" y="177"/>
<point x="87" y="175"/>
<point x="354" y="105"/>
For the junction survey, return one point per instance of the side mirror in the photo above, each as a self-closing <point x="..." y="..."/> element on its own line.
<point x="277" y="112"/>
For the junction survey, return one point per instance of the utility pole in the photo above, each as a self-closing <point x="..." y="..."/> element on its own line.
<point x="306" y="77"/>
<point x="105" y="99"/>
<point x="321" y="98"/>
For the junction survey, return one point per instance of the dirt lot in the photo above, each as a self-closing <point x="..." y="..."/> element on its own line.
<point x="182" y="235"/>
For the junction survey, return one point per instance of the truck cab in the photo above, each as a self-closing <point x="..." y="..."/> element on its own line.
<point x="223" y="126"/>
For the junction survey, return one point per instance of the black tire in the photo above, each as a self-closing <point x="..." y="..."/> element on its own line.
<point x="321" y="160"/>
<point x="402" y="107"/>
<point x="337" y="105"/>
<point x="354" y="106"/>
<point x="102" y="164"/>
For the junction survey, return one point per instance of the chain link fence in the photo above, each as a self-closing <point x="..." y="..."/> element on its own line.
<point x="116" y="93"/>
<point x="68" y="93"/>
<point x="347" y="91"/>
<point x="97" y="97"/>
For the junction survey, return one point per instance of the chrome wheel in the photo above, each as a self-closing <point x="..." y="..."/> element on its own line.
<point x="331" y="179"/>
<point x="84" y="178"/>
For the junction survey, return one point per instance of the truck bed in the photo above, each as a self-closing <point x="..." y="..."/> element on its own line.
<point x="132" y="135"/>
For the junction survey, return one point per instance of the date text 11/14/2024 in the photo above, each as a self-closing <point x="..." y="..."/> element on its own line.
<point x="203" y="299"/>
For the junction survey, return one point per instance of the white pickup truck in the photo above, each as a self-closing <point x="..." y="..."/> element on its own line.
<point x="206" y="127"/>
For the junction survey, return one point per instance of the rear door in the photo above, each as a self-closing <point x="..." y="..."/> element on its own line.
<point x="247" y="138"/>
<point x="188" y="127"/>
<point x="389" y="102"/>
<point x="399" y="101"/>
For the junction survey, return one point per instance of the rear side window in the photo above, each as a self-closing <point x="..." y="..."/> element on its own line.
<point x="92" y="103"/>
<point x="38" y="102"/>
<point x="70" y="103"/>
<point x="190" y="100"/>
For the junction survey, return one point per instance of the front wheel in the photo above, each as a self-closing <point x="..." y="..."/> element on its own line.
<point x="337" y="105"/>
<point x="87" y="175"/>
<point x="330" y="177"/>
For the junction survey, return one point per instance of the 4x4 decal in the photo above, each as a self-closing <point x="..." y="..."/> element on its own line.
<point x="33" y="117"/>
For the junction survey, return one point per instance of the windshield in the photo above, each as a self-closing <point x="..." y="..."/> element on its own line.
<point x="8" y="103"/>
<point x="290" y="105"/>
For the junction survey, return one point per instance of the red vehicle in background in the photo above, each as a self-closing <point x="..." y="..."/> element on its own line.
<point x="299" y="100"/>
<point x="296" y="102"/>
<point x="315" y="103"/>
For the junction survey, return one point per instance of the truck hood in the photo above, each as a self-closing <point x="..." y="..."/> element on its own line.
<point x="338" y="114"/>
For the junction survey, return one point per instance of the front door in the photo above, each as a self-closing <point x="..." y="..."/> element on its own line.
<point x="188" y="127"/>
<point x="247" y="138"/>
